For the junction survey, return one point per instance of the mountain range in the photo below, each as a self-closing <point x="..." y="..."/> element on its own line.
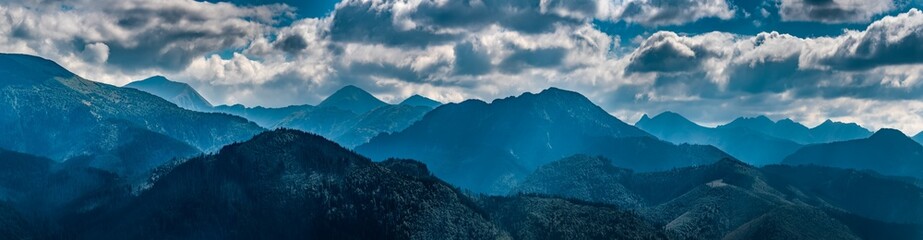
<point x="85" y="160"/>
<point x="732" y="200"/>
<point x="502" y="141"/>
<point x="744" y="143"/>
<point x="179" y="93"/>
<point x="53" y="113"/>
<point x="828" y="131"/>
<point x="350" y="116"/>
<point x="888" y="151"/>
<point x="251" y="190"/>
<point x="757" y="140"/>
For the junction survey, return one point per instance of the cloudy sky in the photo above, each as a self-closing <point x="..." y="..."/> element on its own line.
<point x="711" y="60"/>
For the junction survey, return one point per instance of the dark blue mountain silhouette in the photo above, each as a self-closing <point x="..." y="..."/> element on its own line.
<point x="751" y="146"/>
<point x="350" y="117"/>
<point x="417" y="100"/>
<point x="918" y="137"/>
<point x="287" y="184"/>
<point x="732" y="200"/>
<point x="487" y="147"/>
<point x="888" y="152"/>
<point x="178" y="93"/>
<point x="828" y="131"/>
<point x="51" y="112"/>
<point x="264" y="116"/>
<point x="832" y="131"/>
<point x="352" y="98"/>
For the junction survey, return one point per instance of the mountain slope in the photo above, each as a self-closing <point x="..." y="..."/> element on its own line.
<point x="417" y="100"/>
<point x="352" y="98"/>
<point x="53" y="113"/>
<point x="350" y="129"/>
<point x="783" y="129"/>
<point x="862" y="193"/>
<point x="133" y="153"/>
<point x="178" y="93"/>
<point x="498" y="143"/>
<point x="250" y="190"/>
<point x="829" y="131"/>
<point x="536" y="217"/>
<point x="731" y="200"/>
<point x="888" y="152"/>
<point x="265" y="117"/>
<point x="43" y="189"/>
<point x="748" y="145"/>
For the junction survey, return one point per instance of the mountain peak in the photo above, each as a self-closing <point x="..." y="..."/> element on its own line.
<point x="352" y="98"/>
<point x="831" y="123"/>
<point x="21" y="67"/>
<point x="760" y="122"/>
<point x="178" y="93"/>
<point x="417" y="100"/>
<point x="888" y="133"/>
<point x="644" y="118"/>
<point x="673" y="118"/>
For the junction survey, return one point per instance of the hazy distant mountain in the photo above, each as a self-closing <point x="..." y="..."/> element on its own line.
<point x="417" y="100"/>
<point x="918" y="137"/>
<point x="178" y="93"/>
<point x="744" y="143"/>
<point x="732" y="200"/>
<point x="386" y="119"/>
<point x="265" y="117"/>
<point x="352" y="98"/>
<point x="783" y="129"/>
<point x="888" y="152"/>
<point x="487" y="147"/>
<point x="831" y="131"/>
<point x="134" y="152"/>
<point x="51" y="112"/>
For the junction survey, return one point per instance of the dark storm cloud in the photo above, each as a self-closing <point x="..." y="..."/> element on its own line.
<point x="171" y="48"/>
<point x="291" y="44"/>
<point x="143" y="35"/>
<point x="668" y="52"/>
<point x="469" y="61"/>
<point x="893" y="41"/>
<point x="367" y="22"/>
<point x="358" y="22"/>
<point x="533" y="58"/>
<point x="833" y="11"/>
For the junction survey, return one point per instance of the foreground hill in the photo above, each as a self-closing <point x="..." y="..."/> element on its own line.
<point x="178" y="93"/>
<point x="743" y="143"/>
<point x="888" y="152"/>
<point x="287" y="184"/>
<point x="51" y="112"/>
<point x="39" y="189"/>
<point x="488" y="147"/>
<point x="250" y="190"/>
<point x="732" y="200"/>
